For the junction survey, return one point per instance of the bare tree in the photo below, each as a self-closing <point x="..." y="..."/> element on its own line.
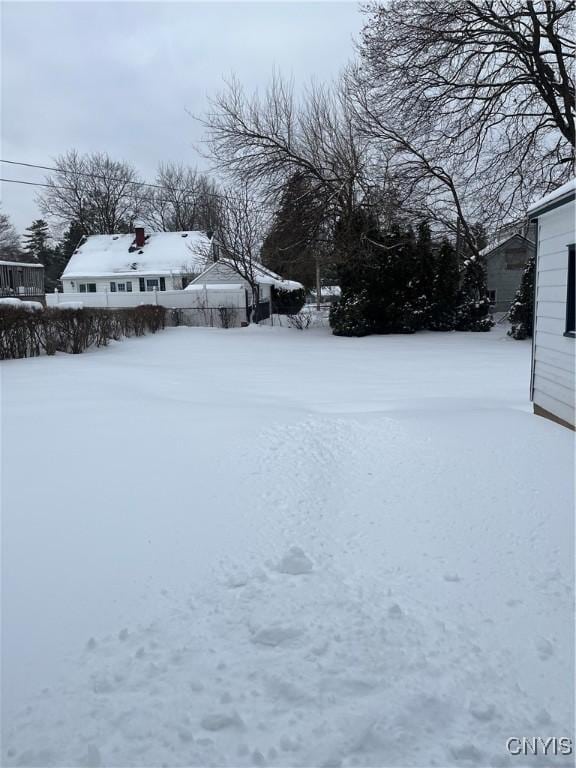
<point x="182" y="200"/>
<point x="242" y="227"/>
<point x="102" y="195"/>
<point x="477" y="95"/>
<point x="10" y="248"/>
<point x="266" y="140"/>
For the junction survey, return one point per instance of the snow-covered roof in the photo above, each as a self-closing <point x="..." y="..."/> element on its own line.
<point x="566" y="190"/>
<point x="499" y="243"/>
<point x="328" y="290"/>
<point x="214" y="287"/>
<point x="20" y="264"/>
<point x="162" y="254"/>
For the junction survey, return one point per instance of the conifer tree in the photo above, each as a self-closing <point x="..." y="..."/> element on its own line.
<point x="473" y="312"/>
<point x="39" y="248"/>
<point x="293" y="245"/>
<point x="522" y="310"/>
<point x="36" y="240"/>
<point x="445" y="288"/>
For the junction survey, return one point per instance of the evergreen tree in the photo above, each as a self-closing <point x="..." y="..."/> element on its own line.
<point x="422" y="271"/>
<point x="293" y="243"/>
<point x="445" y="288"/>
<point x="39" y="248"/>
<point x="376" y="279"/>
<point x="522" y="310"/>
<point x="473" y="311"/>
<point x="36" y="240"/>
<point x="70" y="241"/>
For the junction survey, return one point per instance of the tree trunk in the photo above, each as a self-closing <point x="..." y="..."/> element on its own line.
<point x="255" y="303"/>
<point x="318" y="286"/>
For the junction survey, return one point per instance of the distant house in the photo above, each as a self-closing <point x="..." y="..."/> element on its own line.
<point x="328" y="294"/>
<point x="21" y="280"/>
<point x="139" y="262"/>
<point x="505" y="261"/>
<point x="552" y="386"/>
<point x="223" y="272"/>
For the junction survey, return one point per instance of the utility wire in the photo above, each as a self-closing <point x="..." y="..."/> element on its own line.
<point x="102" y="177"/>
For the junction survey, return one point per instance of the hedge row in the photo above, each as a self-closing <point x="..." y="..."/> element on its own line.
<point x="25" y="333"/>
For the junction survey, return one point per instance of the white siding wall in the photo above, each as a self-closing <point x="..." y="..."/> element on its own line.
<point x="554" y="354"/>
<point x="103" y="283"/>
<point x="224" y="273"/>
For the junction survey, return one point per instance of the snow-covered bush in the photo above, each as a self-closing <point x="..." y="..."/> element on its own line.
<point x="288" y="302"/>
<point x="348" y="316"/>
<point x="25" y="333"/>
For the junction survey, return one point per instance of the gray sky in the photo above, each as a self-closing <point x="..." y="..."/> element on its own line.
<point x="118" y="77"/>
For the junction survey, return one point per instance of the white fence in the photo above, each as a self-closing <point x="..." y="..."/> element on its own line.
<point x="223" y="297"/>
<point x="224" y="306"/>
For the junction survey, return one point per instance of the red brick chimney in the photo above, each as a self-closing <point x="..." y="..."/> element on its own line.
<point x="139" y="234"/>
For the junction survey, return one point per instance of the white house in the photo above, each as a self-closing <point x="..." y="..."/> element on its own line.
<point x="223" y="272"/>
<point x="554" y="340"/>
<point x="139" y="262"/>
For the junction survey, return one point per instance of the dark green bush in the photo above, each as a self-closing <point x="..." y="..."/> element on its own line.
<point x="288" y="302"/>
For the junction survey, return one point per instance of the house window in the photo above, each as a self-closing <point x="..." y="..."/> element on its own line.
<point x="570" y="294"/>
<point x="82" y="287"/>
<point x="162" y="283"/>
<point x="91" y="287"/>
<point x="113" y="287"/>
<point x="129" y="286"/>
<point x="142" y="284"/>
<point x="152" y="284"/>
<point x="121" y="286"/>
<point x="492" y="295"/>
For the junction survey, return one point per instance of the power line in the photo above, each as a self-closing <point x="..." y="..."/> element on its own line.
<point x="31" y="183"/>
<point x="103" y="177"/>
<point x="55" y="186"/>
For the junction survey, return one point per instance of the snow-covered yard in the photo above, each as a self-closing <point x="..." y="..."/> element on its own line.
<point x="274" y="548"/>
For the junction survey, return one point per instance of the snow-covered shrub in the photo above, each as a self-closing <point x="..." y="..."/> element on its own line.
<point x="25" y="333"/>
<point x="348" y="316"/>
<point x="20" y="332"/>
<point x="287" y="302"/>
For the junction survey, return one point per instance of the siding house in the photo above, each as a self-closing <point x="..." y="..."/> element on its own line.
<point x="223" y="272"/>
<point x="21" y="280"/>
<point x="139" y="262"/>
<point x="505" y="261"/>
<point x="554" y="341"/>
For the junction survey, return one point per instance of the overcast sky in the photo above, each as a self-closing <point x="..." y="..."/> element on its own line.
<point x="119" y="77"/>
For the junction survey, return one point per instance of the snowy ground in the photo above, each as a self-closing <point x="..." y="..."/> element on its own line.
<point x="155" y="614"/>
